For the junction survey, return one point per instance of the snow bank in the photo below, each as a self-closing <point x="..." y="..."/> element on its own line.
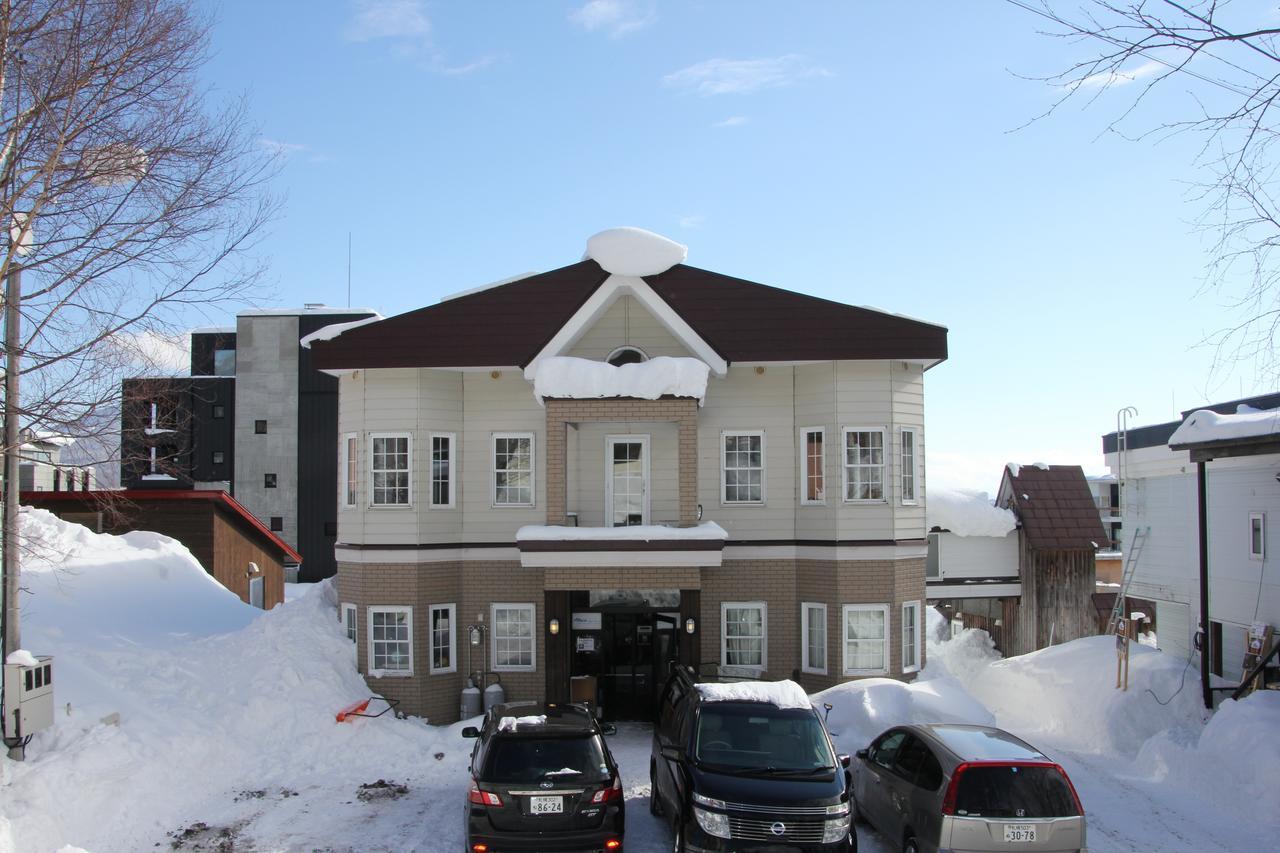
<point x="583" y="379"/>
<point x="783" y="694"/>
<point x="643" y="532"/>
<point x="966" y="513"/>
<point x="333" y="330"/>
<point x="634" y="251"/>
<point x="1206" y="425"/>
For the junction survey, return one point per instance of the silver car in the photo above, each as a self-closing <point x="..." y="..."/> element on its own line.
<point x="953" y="788"/>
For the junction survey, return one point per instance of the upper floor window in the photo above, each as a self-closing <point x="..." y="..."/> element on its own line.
<point x="442" y="463"/>
<point x="626" y="355"/>
<point x="389" y="480"/>
<point x="224" y="362"/>
<point x="347" y="464"/>
<point x="908" y="494"/>
<point x="863" y="464"/>
<point x="1257" y="535"/>
<point x="742" y="467"/>
<point x="813" y="465"/>
<point x="513" y="469"/>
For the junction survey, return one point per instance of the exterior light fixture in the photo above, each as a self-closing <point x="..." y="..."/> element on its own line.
<point x="554" y="627"/>
<point x="689" y="625"/>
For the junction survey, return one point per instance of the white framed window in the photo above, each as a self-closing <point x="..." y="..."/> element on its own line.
<point x="911" y="636"/>
<point x="348" y="467"/>
<point x="813" y="632"/>
<point x="390" y="464"/>
<point x="863" y="464"/>
<point x="866" y="639"/>
<point x="813" y="479"/>
<point x="443" y="638"/>
<point x="908" y="454"/>
<point x="443" y="461"/>
<point x="390" y="640"/>
<point x="1257" y="535"/>
<point x="514" y="643"/>
<point x="513" y="469"/>
<point x="257" y="589"/>
<point x="744" y="634"/>
<point x="742" y="466"/>
<point x="349" y="621"/>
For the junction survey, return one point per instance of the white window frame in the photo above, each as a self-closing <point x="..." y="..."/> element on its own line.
<point x="609" y="442"/>
<point x="348" y="480"/>
<point x="763" y="607"/>
<point x="764" y="467"/>
<point x="804" y="466"/>
<point x="533" y="635"/>
<point x="452" y="610"/>
<point x="389" y="608"/>
<point x="493" y="470"/>
<point x="452" y="438"/>
<point x="373" y="437"/>
<point x="1261" y="519"/>
<point x="914" y="471"/>
<point x="844" y="465"/>
<point x="914" y="643"/>
<point x="883" y="669"/>
<point x="350" y="626"/>
<point x="805" y="620"/>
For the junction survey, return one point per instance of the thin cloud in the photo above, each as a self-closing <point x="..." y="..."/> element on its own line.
<point x="616" y="17"/>
<point x="742" y="76"/>
<point x="458" y="70"/>
<point x="1104" y="79"/>
<point x="283" y="148"/>
<point x="154" y="352"/>
<point x="691" y="221"/>
<point x="732" y="121"/>
<point x="378" y="19"/>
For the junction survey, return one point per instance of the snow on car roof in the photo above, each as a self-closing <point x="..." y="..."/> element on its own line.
<point x="783" y="694"/>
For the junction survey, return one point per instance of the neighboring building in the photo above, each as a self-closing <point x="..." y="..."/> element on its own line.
<point x="254" y="419"/>
<point x="1242" y="496"/>
<point x="222" y="535"/>
<point x="41" y="468"/>
<point x="751" y="505"/>
<point x="1105" y="489"/>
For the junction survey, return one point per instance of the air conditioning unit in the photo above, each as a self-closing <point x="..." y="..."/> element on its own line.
<point x="28" y="697"/>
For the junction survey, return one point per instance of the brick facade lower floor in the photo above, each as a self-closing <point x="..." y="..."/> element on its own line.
<point x="429" y="684"/>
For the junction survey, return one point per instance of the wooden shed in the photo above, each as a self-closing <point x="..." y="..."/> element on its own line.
<point x="1059" y="532"/>
<point x="224" y="537"/>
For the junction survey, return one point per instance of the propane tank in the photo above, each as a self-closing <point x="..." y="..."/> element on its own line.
<point x="494" y="695"/>
<point x="470" y="701"/>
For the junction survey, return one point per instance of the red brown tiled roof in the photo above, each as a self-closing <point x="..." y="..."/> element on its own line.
<point x="1055" y="507"/>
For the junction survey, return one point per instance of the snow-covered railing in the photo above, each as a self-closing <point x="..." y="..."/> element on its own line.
<point x="584" y="379"/>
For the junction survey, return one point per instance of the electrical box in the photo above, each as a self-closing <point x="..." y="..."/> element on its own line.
<point x="28" y="697"/>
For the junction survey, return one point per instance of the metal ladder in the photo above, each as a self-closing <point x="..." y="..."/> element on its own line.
<point x="1130" y="566"/>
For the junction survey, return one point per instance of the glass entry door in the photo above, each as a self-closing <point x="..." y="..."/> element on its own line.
<point x="626" y="480"/>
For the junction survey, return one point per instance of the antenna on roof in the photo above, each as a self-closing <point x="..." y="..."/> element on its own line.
<point x="348" y="269"/>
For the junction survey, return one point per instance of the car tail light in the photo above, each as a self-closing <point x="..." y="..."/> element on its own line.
<point x="613" y="792"/>
<point x="613" y="844"/>
<point x="1071" y="787"/>
<point x="482" y="798"/>
<point x="949" y="799"/>
<point x="479" y="848"/>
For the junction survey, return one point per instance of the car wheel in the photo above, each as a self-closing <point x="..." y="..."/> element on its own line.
<point x="655" y="805"/>
<point x="678" y="846"/>
<point x="910" y="846"/>
<point x="855" y="813"/>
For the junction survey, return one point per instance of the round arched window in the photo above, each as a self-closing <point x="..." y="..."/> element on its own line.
<point x="626" y="355"/>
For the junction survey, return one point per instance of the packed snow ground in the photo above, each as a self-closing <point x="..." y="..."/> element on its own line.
<point x="188" y="719"/>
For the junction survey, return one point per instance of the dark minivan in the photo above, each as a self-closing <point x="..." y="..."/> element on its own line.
<point x="734" y="767"/>
<point x="542" y="778"/>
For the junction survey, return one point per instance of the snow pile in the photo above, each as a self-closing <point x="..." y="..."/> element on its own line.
<point x="333" y="330"/>
<point x="510" y="724"/>
<point x="634" y="251"/>
<point x="584" y="379"/>
<point x="1206" y="425"/>
<point x="783" y="694"/>
<point x="642" y="532"/>
<point x="21" y="657"/>
<point x="967" y="513"/>
<point x="865" y="708"/>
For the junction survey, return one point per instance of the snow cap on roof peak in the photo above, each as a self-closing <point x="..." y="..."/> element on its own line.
<point x="634" y="251"/>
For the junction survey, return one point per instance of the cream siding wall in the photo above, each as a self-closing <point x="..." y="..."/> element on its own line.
<point x="504" y="404"/>
<point x="907" y="390"/>
<point x="863" y="399"/>
<point x="627" y="322"/>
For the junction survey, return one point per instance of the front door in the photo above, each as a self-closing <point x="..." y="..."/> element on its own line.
<point x="638" y="649"/>
<point x="626" y="480"/>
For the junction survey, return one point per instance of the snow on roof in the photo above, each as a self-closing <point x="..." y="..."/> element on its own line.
<point x="214" y="330"/>
<point x="328" y="333"/>
<point x="634" y="251"/>
<point x="966" y="513"/>
<point x="307" y="309"/>
<point x="490" y="286"/>
<point x="583" y="379"/>
<point x="783" y="694"/>
<point x="21" y="657"/>
<point x="1206" y="425"/>
<point x="645" y="532"/>
<point x="510" y="724"/>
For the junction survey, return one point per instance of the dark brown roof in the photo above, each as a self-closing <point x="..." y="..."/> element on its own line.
<point x="741" y="320"/>
<point x="1054" y="506"/>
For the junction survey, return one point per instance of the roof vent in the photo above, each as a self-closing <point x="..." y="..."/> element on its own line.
<point x="311" y="306"/>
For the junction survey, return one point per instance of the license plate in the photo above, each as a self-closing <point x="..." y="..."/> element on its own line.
<point x="1019" y="832"/>
<point x="546" y="805"/>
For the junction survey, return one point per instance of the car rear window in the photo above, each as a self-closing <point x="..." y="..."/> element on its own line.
<point x="560" y="759"/>
<point x="1014" y="791"/>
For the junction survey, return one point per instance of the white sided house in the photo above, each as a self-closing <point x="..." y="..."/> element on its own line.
<point x="571" y="480"/>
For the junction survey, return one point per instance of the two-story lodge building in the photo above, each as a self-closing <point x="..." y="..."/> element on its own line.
<point x="624" y="462"/>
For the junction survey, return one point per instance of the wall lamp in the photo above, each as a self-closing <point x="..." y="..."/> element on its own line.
<point x="690" y="626"/>
<point x="554" y="627"/>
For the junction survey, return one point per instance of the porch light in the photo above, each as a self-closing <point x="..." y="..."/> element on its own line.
<point x="554" y="627"/>
<point x="690" y="626"/>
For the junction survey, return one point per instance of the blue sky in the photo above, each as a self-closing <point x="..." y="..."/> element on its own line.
<point x="864" y="152"/>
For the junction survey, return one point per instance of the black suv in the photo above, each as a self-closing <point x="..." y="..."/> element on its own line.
<point x="734" y="770"/>
<point x="542" y="778"/>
